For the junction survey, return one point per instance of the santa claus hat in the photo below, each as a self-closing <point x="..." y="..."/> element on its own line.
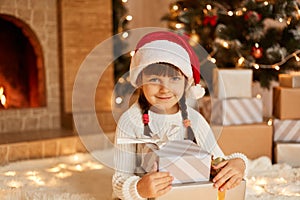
<point x="168" y="47"/>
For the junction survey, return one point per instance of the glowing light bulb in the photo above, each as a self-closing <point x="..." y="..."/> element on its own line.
<point x="213" y="60"/>
<point x="258" y="96"/>
<point x="175" y="7"/>
<point x="256" y="66"/>
<point x="297" y="57"/>
<point x="270" y="122"/>
<point x="129" y="17"/>
<point x="125" y="35"/>
<point x="124" y="1"/>
<point x="208" y="7"/>
<point x="266" y="3"/>
<point x="230" y="13"/>
<point x="132" y="53"/>
<point x="280" y="19"/>
<point x="178" y="25"/>
<point x="277" y="67"/>
<point x="241" y="61"/>
<point x="118" y="100"/>
<point x="226" y="45"/>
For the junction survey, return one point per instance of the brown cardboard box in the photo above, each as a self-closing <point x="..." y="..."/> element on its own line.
<point x="254" y="140"/>
<point x="287" y="153"/>
<point x="196" y="191"/>
<point x="289" y="80"/>
<point x="286" y="103"/>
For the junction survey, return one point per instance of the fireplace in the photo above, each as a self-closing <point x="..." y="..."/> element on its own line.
<point x="29" y="66"/>
<point x="22" y="79"/>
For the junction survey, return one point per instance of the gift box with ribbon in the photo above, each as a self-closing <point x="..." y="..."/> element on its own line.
<point x="236" y="111"/>
<point x="287" y="130"/>
<point x="184" y="159"/>
<point x="232" y="83"/>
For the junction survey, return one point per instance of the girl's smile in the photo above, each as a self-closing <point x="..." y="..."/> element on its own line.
<point x="163" y="92"/>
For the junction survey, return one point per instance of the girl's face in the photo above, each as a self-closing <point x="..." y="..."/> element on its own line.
<point x="163" y="92"/>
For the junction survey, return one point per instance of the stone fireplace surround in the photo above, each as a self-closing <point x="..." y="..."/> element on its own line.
<point x="40" y="132"/>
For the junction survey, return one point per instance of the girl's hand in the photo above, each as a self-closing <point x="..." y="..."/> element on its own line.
<point x="154" y="184"/>
<point x="231" y="174"/>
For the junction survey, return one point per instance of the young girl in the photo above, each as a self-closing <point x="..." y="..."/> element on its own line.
<point x="165" y="69"/>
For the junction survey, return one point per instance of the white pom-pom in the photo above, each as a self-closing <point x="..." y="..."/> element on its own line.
<point x="197" y="91"/>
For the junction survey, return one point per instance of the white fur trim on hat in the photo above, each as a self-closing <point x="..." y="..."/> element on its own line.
<point x="160" y="51"/>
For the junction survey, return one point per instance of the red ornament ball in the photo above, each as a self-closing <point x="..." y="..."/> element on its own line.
<point x="257" y="52"/>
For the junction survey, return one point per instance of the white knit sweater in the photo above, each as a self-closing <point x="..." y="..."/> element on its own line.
<point x="130" y="125"/>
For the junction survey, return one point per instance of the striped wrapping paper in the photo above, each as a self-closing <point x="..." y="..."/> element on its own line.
<point x="236" y="111"/>
<point x="287" y="130"/>
<point x="183" y="159"/>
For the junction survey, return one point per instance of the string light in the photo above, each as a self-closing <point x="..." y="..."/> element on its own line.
<point x="129" y="17"/>
<point x="208" y="7"/>
<point x="178" y="25"/>
<point x="256" y="66"/>
<point x="175" y="7"/>
<point x="230" y="13"/>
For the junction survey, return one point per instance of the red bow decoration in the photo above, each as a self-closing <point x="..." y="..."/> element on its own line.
<point x="212" y="20"/>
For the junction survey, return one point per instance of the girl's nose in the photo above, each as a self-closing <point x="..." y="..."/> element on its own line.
<point x="164" y="87"/>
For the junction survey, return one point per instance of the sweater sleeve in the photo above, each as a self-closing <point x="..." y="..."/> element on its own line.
<point x="124" y="181"/>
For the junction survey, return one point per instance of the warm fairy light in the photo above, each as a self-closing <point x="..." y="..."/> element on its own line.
<point x="125" y="35"/>
<point x="256" y="45"/>
<point x="297" y="57"/>
<point x="178" y="25"/>
<point x="230" y="13"/>
<point x="75" y="158"/>
<point x="124" y="1"/>
<point x="63" y="175"/>
<point x="62" y="166"/>
<point x="91" y="165"/>
<point x="244" y="9"/>
<point x="280" y="19"/>
<point x="261" y="181"/>
<point x="78" y="167"/>
<point x="53" y="169"/>
<point x="14" y="184"/>
<point x="132" y="53"/>
<point x="277" y="67"/>
<point x="239" y="13"/>
<point x="208" y="7"/>
<point x="226" y="45"/>
<point x="129" y="17"/>
<point x="10" y="173"/>
<point x="266" y="3"/>
<point x="280" y="180"/>
<point x="31" y="173"/>
<point x="175" y="7"/>
<point x="241" y="61"/>
<point x="258" y="96"/>
<point x="258" y="189"/>
<point x="270" y="122"/>
<point x="118" y="100"/>
<point x="213" y="60"/>
<point x="256" y="66"/>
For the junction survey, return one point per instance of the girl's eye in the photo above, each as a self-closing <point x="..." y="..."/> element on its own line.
<point x="176" y="78"/>
<point x="154" y="80"/>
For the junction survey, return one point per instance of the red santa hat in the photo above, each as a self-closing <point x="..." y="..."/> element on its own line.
<point x="168" y="47"/>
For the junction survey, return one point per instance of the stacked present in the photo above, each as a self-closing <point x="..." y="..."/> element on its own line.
<point x="286" y="111"/>
<point x="237" y="117"/>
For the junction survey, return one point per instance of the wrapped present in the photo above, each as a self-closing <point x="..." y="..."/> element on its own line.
<point x="254" y="140"/>
<point x="287" y="130"/>
<point x="182" y="158"/>
<point x="286" y="103"/>
<point x="266" y="95"/>
<point x="204" y="190"/>
<point x="287" y="153"/>
<point x="236" y="111"/>
<point x="232" y="83"/>
<point x="289" y="80"/>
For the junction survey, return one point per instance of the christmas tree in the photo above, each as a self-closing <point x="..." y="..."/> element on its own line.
<point x="263" y="35"/>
